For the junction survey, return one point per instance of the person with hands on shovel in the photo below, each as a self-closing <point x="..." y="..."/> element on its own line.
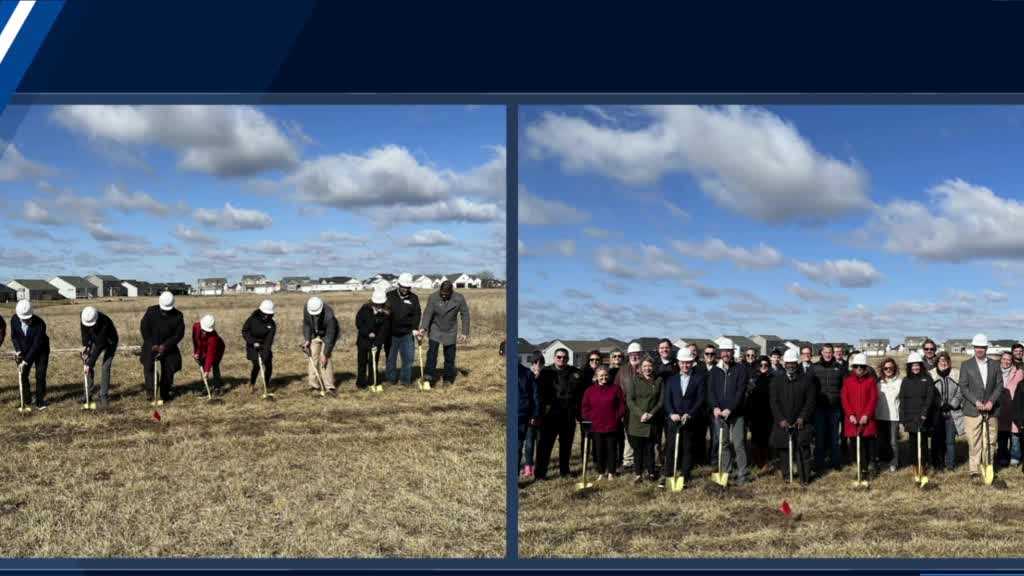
<point x="99" y="336"/>
<point x="162" y="328"/>
<point x="259" y="331"/>
<point x="320" y="332"/>
<point x="917" y="397"/>
<point x="405" y="318"/>
<point x="208" y="351"/>
<point x="31" y="348"/>
<point x="604" y="406"/>
<point x="439" y="324"/>
<point x="859" y="397"/>
<point x="949" y="421"/>
<point x="728" y="391"/>
<point x="792" y="396"/>
<point x="373" y="330"/>
<point x="981" y="383"/>
<point x="684" y="400"/>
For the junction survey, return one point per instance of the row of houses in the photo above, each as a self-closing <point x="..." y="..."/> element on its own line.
<point x="260" y="284"/>
<point x="92" y="286"/>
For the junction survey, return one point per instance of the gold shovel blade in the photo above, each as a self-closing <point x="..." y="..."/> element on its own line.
<point x="924" y="481"/>
<point x="426" y="385"/>
<point x="988" y="474"/>
<point x="580" y="486"/>
<point x="677" y="484"/>
<point x="720" y="478"/>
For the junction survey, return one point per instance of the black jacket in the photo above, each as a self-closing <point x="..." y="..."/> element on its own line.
<point x="369" y="323"/>
<point x="529" y="401"/>
<point x="665" y="371"/>
<point x="36" y="344"/>
<point x="758" y="408"/>
<point x="162" y="328"/>
<point x="560" y="391"/>
<point x="917" y="402"/>
<point x="260" y="328"/>
<point x="729" y="390"/>
<point x="792" y="399"/>
<point x="405" y="313"/>
<point x="828" y="379"/>
<point x="99" y="338"/>
<point x="323" y="325"/>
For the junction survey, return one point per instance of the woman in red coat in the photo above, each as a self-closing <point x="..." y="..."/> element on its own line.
<point x="859" y="395"/>
<point x="208" y="351"/>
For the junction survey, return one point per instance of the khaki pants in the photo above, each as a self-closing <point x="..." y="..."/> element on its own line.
<point x="327" y="373"/>
<point x="974" y="429"/>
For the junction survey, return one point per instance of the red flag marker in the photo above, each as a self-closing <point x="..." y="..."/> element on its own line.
<point x="156" y="415"/>
<point x="785" y="509"/>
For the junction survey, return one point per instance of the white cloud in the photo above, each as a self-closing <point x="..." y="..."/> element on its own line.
<point x="676" y="211"/>
<point x="601" y="113"/>
<point x="993" y="296"/>
<point x="343" y="238"/>
<point x="430" y="238"/>
<point x="746" y="159"/>
<point x="847" y="273"/>
<point x="807" y="294"/>
<point x="226" y="141"/>
<point x="644" y="261"/>
<point x="486" y="180"/>
<point x="457" y="209"/>
<point x="14" y="166"/>
<point x="566" y="247"/>
<point x="537" y="211"/>
<point x="132" y="202"/>
<point x="35" y="213"/>
<point x="713" y="249"/>
<point x="275" y="248"/>
<point x="231" y="218"/>
<point x="595" y="232"/>
<point x="186" y="234"/>
<point x="101" y="232"/>
<point x="523" y="250"/>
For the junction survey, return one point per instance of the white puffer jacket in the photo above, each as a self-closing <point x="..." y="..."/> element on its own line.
<point x="888" y="408"/>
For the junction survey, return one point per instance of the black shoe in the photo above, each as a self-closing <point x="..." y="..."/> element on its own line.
<point x="42" y="405"/>
<point x="104" y="403"/>
<point x="975" y="478"/>
<point x="661" y="483"/>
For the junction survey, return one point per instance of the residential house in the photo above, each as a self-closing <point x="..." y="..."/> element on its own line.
<point x="34" y="290"/>
<point x="874" y="346"/>
<point x="798" y="344"/>
<point x="492" y="283"/>
<point x="74" y="287"/>
<point x="524" y="350"/>
<point x="464" y="281"/>
<point x="427" y="282"/>
<point x="382" y="281"/>
<point x="8" y="294"/>
<point x="107" y="286"/>
<point x="741" y="343"/>
<point x="701" y="343"/>
<point x="912" y="343"/>
<point x="330" y="284"/>
<point x="258" y="284"/>
<point x="765" y="343"/>
<point x="958" y="346"/>
<point x="176" y="288"/>
<point x="139" y="289"/>
<point x="578" y="349"/>
<point x="211" y="286"/>
<point x="296" y="283"/>
<point x="999" y="346"/>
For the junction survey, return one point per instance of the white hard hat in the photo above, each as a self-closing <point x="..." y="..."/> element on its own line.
<point x="166" y="301"/>
<point x="724" y="343"/>
<point x="684" y="355"/>
<point x="980" y="340"/>
<point x="23" y="309"/>
<point x="633" y="348"/>
<point x="267" y="307"/>
<point x="206" y="323"/>
<point x="379" y="297"/>
<point x="89" y="316"/>
<point x="914" y="358"/>
<point x="859" y="360"/>
<point x="791" y="355"/>
<point x="405" y="280"/>
<point x="314" y="305"/>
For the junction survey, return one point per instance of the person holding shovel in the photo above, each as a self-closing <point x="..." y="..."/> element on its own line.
<point x="99" y="337"/>
<point x="981" y="383"/>
<point x="373" y="330"/>
<point x="792" y="396"/>
<point x="440" y="326"/>
<point x="259" y="331"/>
<point x="917" y="396"/>
<point x="162" y="328"/>
<point x="887" y="415"/>
<point x="859" y="397"/>
<point x="208" y="351"/>
<point x="604" y="406"/>
<point x="949" y="422"/>
<point x="31" y="348"/>
<point x="645" y="407"/>
<point x="728" y="391"/>
<point x="684" y="401"/>
<point x="320" y="333"/>
<point x="405" y="318"/>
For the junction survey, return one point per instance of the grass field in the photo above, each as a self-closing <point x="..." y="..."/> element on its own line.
<point x="400" y="474"/>
<point x="893" y="518"/>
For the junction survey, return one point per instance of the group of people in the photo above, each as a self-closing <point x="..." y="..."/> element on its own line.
<point x="391" y="321"/>
<point x="764" y="411"/>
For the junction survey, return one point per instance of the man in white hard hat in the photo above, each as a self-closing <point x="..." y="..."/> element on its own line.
<point x="624" y="379"/>
<point x="259" y="331"/>
<point x="684" y="400"/>
<point x="208" y="351"/>
<point x="405" y="319"/>
<point x="440" y="325"/>
<point x="31" y="348"/>
<point x="162" y="328"/>
<point x="792" y="395"/>
<point x="981" y="382"/>
<point x="320" y="333"/>
<point x="99" y="336"/>
<point x="728" y="391"/>
<point x="373" y="328"/>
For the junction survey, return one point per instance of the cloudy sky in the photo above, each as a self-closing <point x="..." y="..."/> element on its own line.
<point x="180" y="192"/>
<point x="823" y="223"/>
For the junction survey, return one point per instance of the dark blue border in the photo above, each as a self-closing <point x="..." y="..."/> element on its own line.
<point x="512" y="332"/>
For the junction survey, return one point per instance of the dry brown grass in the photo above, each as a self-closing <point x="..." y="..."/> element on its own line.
<point x="892" y="519"/>
<point x="400" y="474"/>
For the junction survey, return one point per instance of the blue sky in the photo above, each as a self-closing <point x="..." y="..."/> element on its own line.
<point x="815" y="222"/>
<point x="176" y="193"/>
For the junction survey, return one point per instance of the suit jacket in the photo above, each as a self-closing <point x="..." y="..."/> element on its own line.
<point x="36" y="344"/>
<point x="440" y="318"/>
<point x="974" y="390"/>
<point x="692" y="403"/>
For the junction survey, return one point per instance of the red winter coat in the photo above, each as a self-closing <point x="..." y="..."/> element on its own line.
<point x="208" y="345"/>
<point x="860" y="398"/>
<point x="604" y="407"/>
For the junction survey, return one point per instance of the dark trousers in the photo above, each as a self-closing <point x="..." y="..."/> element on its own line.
<point x="944" y="443"/>
<point x="685" y="449"/>
<point x="886" y="447"/>
<point x="827" y="421"/>
<point x="268" y="370"/>
<point x="364" y="364"/>
<point x="525" y="444"/>
<point x="563" y="428"/>
<point x="643" y="453"/>
<point x="911" y="448"/>
<point x="165" y="382"/>
<point x="867" y="452"/>
<point x="449" y="362"/>
<point x="605" y="445"/>
<point x="40" y="364"/>
<point x="699" y="438"/>
<point x="801" y="459"/>
<point x="1004" y="447"/>
<point x="620" y="448"/>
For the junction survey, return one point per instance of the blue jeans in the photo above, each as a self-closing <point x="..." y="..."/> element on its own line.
<point x="527" y="440"/>
<point x="449" y="362"/>
<point x="944" y="442"/>
<point x="404" y="345"/>
<point x="827" y="421"/>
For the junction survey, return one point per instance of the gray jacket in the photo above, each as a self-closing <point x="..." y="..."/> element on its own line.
<point x="974" y="390"/>
<point x="440" y="318"/>
<point x="947" y="389"/>
<point x="324" y="325"/>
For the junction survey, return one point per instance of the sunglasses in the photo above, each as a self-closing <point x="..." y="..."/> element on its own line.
<point x="595" y="359"/>
<point x="889" y="368"/>
<point x="929" y="349"/>
<point x="709" y="353"/>
<point x="561" y="357"/>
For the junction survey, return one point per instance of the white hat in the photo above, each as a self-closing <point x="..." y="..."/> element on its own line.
<point x="790" y="355"/>
<point x="684" y="355"/>
<point x="724" y="343"/>
<point x="379" y="297"/>
<point x="859" y="360"/>
<point x="166" y="301"/>
<point x="23" y="309"/>
<point x="206" y="323"/>
<point x="634" y="347"/>
<point x="314" y="306"/>
<point x="267" y="307"/>
<point x="980" y="340"/>
<point x="89" y="316"/>
<point x="915" y="358"/>
<point x="405" y="280"/>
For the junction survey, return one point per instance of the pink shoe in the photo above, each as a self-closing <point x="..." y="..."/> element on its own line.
<point x="528" y="471"/>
